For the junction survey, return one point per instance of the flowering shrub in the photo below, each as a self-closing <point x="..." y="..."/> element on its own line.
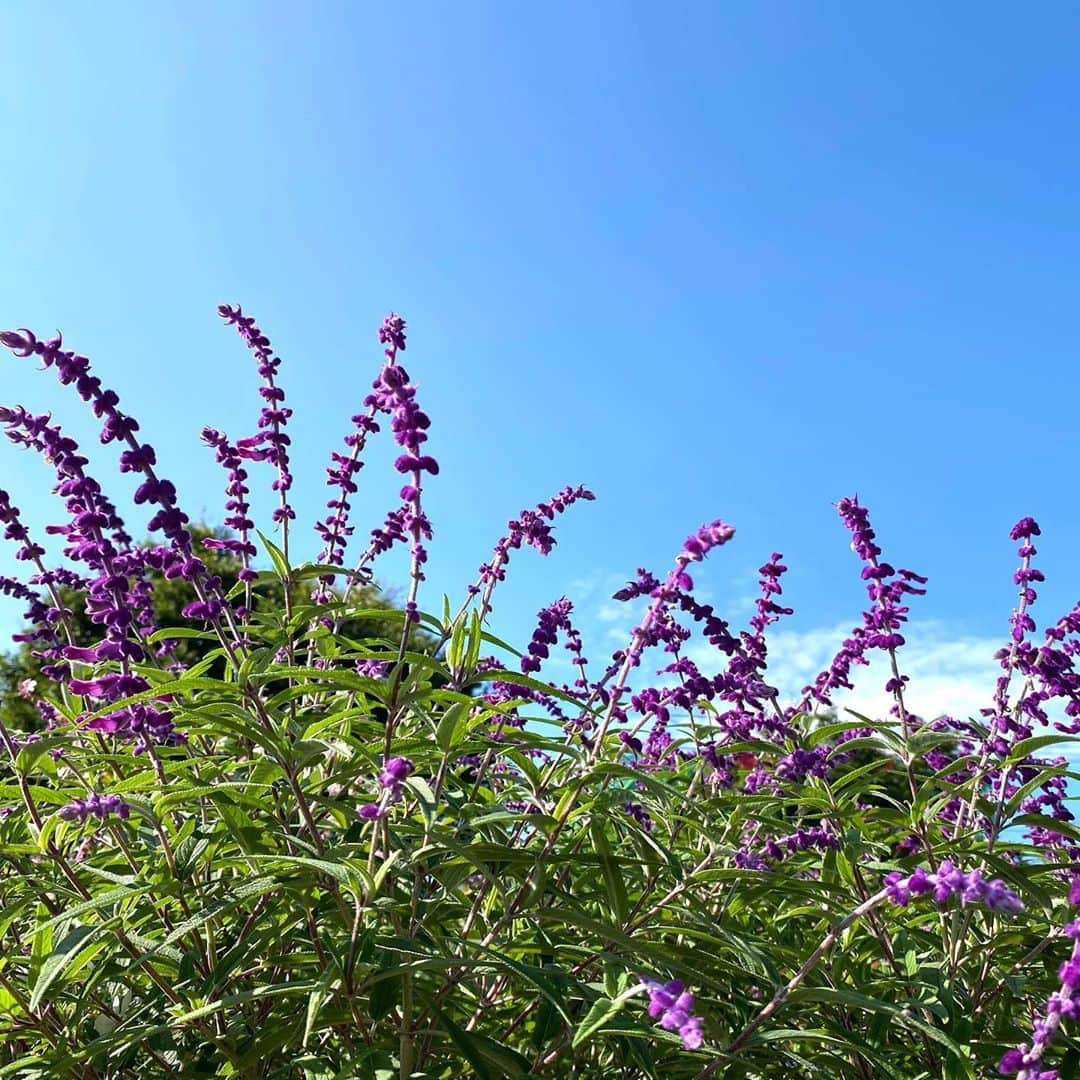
<point x="301" y="853"/>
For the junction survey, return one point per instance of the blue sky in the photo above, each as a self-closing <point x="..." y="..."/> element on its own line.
<point x="712" y="260"/>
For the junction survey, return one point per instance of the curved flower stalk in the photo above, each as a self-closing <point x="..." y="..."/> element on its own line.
<point x="941" y="886"/>
<point x="168" y="519"/>
<point x="531" y="528"/>
<point x="91" y="514"/>
<point x="882" y="621"/>
<point x="1025" y="1061"/>
<point x="238" y="511"/>
<point x="656" y="626"/>
<point x="271" y="444"/>
<point x="48" y="626"/>
<point x="335" y="530"/>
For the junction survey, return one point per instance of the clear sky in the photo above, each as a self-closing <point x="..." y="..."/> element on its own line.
<point x="728" y="260"/>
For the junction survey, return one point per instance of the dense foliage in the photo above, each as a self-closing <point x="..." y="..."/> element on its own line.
<point x="327" y="848"/>
<point x="20" y="669"/>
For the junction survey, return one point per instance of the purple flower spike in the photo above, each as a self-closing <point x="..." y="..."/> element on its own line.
<point x="531" y="528"/>
<point x="882" y="621"/>
<point x="552" y="619"/>
<point x="1026" y="1060"/>
<point x="395" y="772"/>
<point x="98" y="806"/>
<point x="949" y="881"/>
<point x="271" y="444"/>
<point x="670" y="1006"/>
<point x="394" y="395"/>
<point x="393" y="776"/>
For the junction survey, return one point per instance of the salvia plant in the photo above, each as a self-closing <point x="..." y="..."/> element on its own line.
<point x="299" y="853"/>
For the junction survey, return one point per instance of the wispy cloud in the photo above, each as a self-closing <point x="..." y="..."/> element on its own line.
<point x="949" y="671"/>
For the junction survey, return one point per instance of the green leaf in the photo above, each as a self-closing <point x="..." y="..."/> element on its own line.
<point x="338" y="871"/>
<point x="380" y="874"/>
<point x="425" y="797"/>
<point x="898" y="1013"/>
<point x="277" y="557"/>
<point x="490" y="1059"/>
<point x="613" y="878"/>
<point x="77" y="939"/>
<point x="1041" y="821"/>
<point x="1026" y="747"/>
<point x="17" y="1068"/>
<point x="603" y="1009"/>
<point x="385" y="994"/>
<point x="448" y="732"/>
<point x="476" y="637"/>
<point x="547" y="1025"/>
<point x="274" y="990"/>
<point x="106" y="899"/>
<point x="315" y="1003"/>
<point x="243" y="892"/>
<point x="455" y="647"/>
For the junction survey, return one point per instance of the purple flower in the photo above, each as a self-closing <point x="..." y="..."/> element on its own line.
<point x="271" y="444"/>
<point x="393" y="776"/>
<point x="532" y="528"/>
<point x="551" y="620"/>
<point x="949" y="881"/>
<point x="395" y="772"/>
<point x="373" y="669"/>
<point x="882" y="621"/>
<point x="98" y="806"/>
<point x="1024" y="528"/>
<point x="1026" y="1060"/>
<point x="392" y="334"/>
<point x="670" y="1006"/>
<point x="394" y="395"/>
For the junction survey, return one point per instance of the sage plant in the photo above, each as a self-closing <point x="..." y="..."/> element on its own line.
<point x="303" y="852"/>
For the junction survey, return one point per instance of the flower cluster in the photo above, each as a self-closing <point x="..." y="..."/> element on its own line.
<point x="551" y="620"/>
<point x="1026" y="1060"/>
<point x="670" y="1004"/>
<point x="237" y="507"/>
<point x="271" y="444"/>
<point x="335" y="530"/>
<point x="531" y="528"/>
<point x="948" y="881"/>
<point x="168" y="519"/>
<point x="97" y="806"/>
<point x="763" y="853"/>
<point x="881" y="621"/>
<point x="655" y="721"/>
<point x="393" y="394"/>
<point x="392" y="781"/>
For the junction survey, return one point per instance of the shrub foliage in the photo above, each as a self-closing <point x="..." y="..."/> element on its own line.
<point x="284" y="833"/>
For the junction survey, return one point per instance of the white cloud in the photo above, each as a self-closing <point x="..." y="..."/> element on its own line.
<point x="611" y="612"/>
<point x="949" y="672"/>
